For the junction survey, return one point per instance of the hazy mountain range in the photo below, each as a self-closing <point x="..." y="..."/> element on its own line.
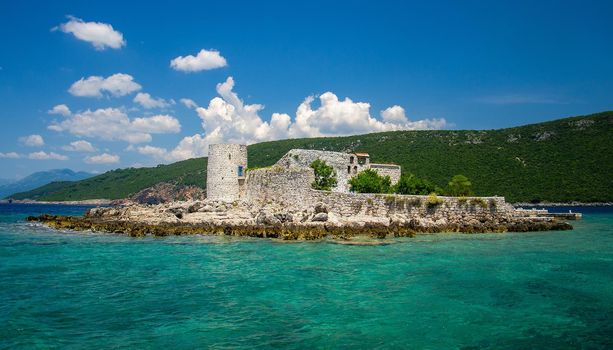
<point x="9" y="187"/>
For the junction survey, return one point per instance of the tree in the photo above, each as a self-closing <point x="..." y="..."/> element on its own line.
<point x="411" y="184"/>
<point x="460" y="186"/>
<point x="369" y="181"/>
<point x="325" y="176"/>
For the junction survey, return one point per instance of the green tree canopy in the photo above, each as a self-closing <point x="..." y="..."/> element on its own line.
<point x="369" y="181"/>
<point x="460" y="186"/>
<point x="411" y="184"/>
<point x="325" y="176"/>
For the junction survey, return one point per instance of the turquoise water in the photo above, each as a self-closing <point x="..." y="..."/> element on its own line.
<point x="497" y="291"/>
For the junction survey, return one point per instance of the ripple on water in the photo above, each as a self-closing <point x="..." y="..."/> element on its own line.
<point x="498" y="291"/>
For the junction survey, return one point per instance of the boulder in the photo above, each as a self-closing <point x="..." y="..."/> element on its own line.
<point x="194" y="207"/>
<point x="265" y="218"/>
<point x="320" y="217"/>
<point x="284" y="217"/>
<point x="320" y="208"/>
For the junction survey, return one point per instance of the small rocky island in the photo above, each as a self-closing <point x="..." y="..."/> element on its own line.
<point x="280" y="202"/>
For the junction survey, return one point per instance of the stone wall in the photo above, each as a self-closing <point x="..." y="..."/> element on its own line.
<point x="341" y="162"/>
<point x="292" y="190"/>
<point x="223" y="181"/>
<point x="391" y="170"/>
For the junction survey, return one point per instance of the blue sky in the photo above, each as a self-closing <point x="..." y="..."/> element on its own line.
<point x="283" y="69"/>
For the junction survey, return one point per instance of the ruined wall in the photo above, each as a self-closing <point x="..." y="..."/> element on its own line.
<point x="292" y="190"/>
<point x="301" y="158"/>
<point x="223" y="181"/>
<point x="391" y="170"/>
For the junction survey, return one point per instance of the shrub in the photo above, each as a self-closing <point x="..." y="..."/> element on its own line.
<point x="415" y="202"/>
<point x="478" y="202"/>
<point x="369" y="181"/>
<point x="460" y="186"/>
<point x="325" y="176"/>
<point x="462" y="200"/>
<point x="411" y="184"/>
<point x="433" y="200"/>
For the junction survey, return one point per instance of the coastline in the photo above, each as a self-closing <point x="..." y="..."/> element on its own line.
<point x="563" y="204"/>
<point x="107" y="202"/>
<point x="96" y="202"/>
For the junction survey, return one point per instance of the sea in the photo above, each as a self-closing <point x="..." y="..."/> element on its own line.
<point x="83" y="290"/>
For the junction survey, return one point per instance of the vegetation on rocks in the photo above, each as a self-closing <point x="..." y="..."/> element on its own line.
<point x="325" y="176"/>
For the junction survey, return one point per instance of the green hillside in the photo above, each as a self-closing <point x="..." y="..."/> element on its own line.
<point x="562" y="160"/>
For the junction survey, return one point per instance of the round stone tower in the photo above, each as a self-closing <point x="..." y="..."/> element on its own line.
<point x="225" y="174"/>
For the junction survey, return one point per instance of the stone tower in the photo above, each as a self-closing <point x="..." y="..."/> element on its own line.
<point x="225" y="174"/>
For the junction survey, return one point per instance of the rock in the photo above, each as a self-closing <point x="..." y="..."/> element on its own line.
<point x="320" y="208"/>
<point x="265" y="218"/>
<point x="194" y="207"/>
<point x="320" y="217"/>
<point x="284" y="217"/>
<point x="206" y="209"/>
<point x="177" y="211"/>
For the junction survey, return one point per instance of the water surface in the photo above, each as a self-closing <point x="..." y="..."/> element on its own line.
<point x="488" y="291"/>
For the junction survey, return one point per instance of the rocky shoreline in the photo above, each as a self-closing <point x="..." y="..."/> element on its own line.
<point x="242" y="219"/>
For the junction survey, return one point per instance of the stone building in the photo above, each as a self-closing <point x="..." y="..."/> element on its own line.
<point x="225" y="175"/>
<point x="346" y="165"/>
<point x="226" y="178"/>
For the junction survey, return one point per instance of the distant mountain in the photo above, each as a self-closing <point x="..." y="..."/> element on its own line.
<point x="563" y="160"/>
<point x="40" y="178"/>
<point x="5" y="181"/>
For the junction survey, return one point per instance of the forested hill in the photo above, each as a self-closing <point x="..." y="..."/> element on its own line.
<point x="568" y="159"/>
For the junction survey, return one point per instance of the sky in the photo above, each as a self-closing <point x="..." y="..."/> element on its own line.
<point x="94" y="86"/>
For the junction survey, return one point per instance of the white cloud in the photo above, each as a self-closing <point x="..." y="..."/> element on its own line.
<point x="103" y="158"/>
<point x="394" y="114"/>
<point x="118" y="84"/>
<point x="205" y="60"/>
<point x="61" y="110"/>
<point x="145" y="100"/>
<point x="157" y="124"/>
<point x="189" y="147"/>
<point x="32" y="140"/>
<point x="114" y="124"/>
<point x="46" y="156"/>
<point x="336" y="117"/>
<point x="101" y="35"/>
<point x="228" y="119"/>
<point x="79" y="146"/>
<point x="10" y="155"/>
<point x="189" y="103"/>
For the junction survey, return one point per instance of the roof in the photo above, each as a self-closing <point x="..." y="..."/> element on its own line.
<point x="361" y="154"/>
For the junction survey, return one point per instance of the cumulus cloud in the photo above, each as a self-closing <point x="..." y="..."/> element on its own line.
<point x="61" y="110"/>
<point x="145" y="100"/>
<point x="10" y="155"/>
<point x="116" y="85"/>
<point x="46" y="156"/>
<point x="114" y="124"/>
<point x="79" y="146"/>
<point x="189" y="103"/>
<point x="100" y="35"/>
<point x="103" y="158"/>
<point x="189" y="147"/>
<point x="204" y="60"/>
<point x="32" y="140"/>
<point x="228" y="119"/>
